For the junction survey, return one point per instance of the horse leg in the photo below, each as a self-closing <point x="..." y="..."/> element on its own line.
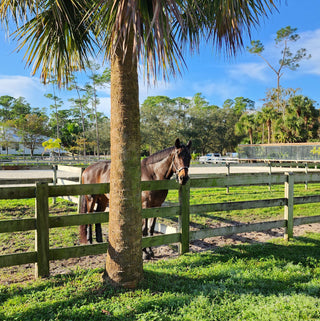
<point x="89" y="233"/>
<point x="99" y="237"/>
<point x="83" y="228"/>
<point x="151" y="230"/>
<point x="87" y="205"/>
<point x="101" y="206"/>
<point x="145" y="253"/>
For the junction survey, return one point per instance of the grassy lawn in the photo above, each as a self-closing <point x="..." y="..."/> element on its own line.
<point x="245" y="193"/>
<point x="68" y="236"/>
<point x="24" y="241"/>
<point x="60" y="237"/>
<point x="271" y="281"/>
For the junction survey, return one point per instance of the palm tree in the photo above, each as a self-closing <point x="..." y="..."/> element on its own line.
<point x="60" y="35"/>
<point x="304" y="108"/>
<point x="246" y="125"/>
<point x="269" y="114"/>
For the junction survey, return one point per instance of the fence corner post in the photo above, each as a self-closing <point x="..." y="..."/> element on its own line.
<point x="288" y="208"/>
<point x="42" y="231"/>
<point x="184" y="217"/>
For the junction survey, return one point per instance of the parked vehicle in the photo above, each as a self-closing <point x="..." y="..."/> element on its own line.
<point x="216" y="158"/>
<point x="210" y="158"/>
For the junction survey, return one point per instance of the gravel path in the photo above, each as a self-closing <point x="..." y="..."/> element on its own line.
<point x="204" y="169"/>
<point x="41" y="173"/>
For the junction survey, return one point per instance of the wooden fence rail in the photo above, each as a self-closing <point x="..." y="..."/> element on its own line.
<point x="43" y="222"/>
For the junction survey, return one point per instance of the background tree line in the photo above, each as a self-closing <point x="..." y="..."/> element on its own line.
<point x="211" y="128"/>
<point x="285" y="116"/>
<point x="78" y="126"/>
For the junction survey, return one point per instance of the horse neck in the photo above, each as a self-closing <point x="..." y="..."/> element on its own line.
<point x="161" y="169"/>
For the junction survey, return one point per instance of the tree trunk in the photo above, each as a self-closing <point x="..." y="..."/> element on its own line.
<point x="269" y="131"/>
<point x="250" y="135"/>
<point x="124" y="265"/>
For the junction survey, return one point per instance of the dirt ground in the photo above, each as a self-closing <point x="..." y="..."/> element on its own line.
<point x="171" y="251"/>
<point x="165" y="252"/>
<point x="25" y="273"/>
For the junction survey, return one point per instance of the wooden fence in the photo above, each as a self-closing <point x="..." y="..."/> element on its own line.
<point x="43" y="222"/>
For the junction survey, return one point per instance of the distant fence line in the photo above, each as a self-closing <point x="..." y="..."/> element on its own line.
<point x="42" y="222"/>
<point x="7" y="161"/>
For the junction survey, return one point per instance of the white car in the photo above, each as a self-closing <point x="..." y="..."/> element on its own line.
<point x="210" y="158"/>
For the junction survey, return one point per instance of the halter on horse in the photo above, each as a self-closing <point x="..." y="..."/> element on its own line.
<point x="159" y="166"/>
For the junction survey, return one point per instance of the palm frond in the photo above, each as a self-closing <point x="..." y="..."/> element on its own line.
<point x="57" y="39"/>
<point x="61" y="34"/>
<point x="164" y="28"/>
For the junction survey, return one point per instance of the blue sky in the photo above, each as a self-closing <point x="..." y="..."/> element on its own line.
<point x="218" y="78"/>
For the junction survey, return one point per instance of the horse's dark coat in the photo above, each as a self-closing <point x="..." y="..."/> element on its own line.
<point x="159" y="166"/>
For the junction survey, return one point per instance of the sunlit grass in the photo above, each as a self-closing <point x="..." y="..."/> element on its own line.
<point x="246" y="193"/>
<point x="270" y="281"/>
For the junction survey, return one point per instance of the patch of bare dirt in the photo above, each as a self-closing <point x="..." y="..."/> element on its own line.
<point x="25" y="273"/>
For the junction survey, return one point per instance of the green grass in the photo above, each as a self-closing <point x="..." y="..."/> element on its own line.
<point x="24" y="241"/>
<point x="271" y="281"/>
<point x="245" y="193"/>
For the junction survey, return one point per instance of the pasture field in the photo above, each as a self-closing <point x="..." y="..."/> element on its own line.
<point x="245" y="193"/>
<point x="68" y="236"/>
<point x="268" y="281"/>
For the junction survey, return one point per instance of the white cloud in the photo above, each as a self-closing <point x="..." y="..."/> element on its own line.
<point x="241" y="72"/>
<point x="21" y="86"/>
<point x="310" y="41"/>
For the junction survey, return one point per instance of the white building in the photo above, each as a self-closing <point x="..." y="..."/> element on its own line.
<point x="16" y="146"/>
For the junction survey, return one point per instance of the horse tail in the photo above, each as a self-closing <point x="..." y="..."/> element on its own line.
<point x="83" y="204"/>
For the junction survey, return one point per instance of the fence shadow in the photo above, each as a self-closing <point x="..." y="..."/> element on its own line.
<point x="174" y="277"/>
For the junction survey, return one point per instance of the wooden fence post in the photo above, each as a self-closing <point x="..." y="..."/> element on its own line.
<point x="270" y="173"/>
<point x="54" y="178"/>
<point x="228" y="174"/>
<point x="306" y="171"/>
<point x="184" y="217"/>
<point x="288" y="208"/>
<point x="42" y="232"/>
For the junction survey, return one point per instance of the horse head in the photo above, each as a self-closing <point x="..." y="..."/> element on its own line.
<point x="181" y="161"/>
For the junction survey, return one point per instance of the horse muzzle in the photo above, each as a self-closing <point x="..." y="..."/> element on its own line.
<point x="183" y="176"/>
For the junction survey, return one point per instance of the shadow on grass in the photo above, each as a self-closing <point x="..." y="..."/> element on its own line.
<point x="257" y="269"/>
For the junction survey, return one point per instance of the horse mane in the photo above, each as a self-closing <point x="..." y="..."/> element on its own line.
<point x="158" y="156"/>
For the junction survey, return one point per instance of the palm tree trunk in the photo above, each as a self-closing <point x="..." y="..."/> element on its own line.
<point x="269" y="131"/>
<point x="250" y="135"/>
<point x="124" y="264"/>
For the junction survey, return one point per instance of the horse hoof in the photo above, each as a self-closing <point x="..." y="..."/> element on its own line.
<point x="146" y="256"/>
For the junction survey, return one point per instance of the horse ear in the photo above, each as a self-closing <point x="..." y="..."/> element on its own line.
<point x="177" y="143"/>
<point x="189" y="144"/>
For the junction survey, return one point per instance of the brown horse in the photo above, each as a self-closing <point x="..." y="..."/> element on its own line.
<point x="159" y="166"/>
